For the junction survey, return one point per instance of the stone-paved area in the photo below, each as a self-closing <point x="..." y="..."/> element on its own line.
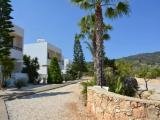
<point x="58" y="104"/>
<point x="3" y="111"/>
<point x="13" y="93"/>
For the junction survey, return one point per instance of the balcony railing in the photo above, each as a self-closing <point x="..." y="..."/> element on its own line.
<point x="17" y="48"/>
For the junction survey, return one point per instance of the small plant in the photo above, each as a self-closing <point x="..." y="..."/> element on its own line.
<point x="118" y="86"/>
<point x="84" y="91"/>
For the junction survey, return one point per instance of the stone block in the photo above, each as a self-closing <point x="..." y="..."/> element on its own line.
<point x="139" y="112"/>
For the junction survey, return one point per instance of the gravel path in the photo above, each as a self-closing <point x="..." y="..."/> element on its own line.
<point x="58" y="104"/>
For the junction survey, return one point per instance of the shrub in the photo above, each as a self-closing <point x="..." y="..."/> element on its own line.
<point x="119" y="80"/>
<point x="54" y="72"/>
<point x="70" y="74"/>
<point x="21" y="82"/>
<point x="115" y="84"/>
<point x="67" y="77"/>
<point x="130" y="86"/>
<point x="124" y="85"/>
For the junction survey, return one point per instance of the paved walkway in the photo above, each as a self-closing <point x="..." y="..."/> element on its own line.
<point x="58" y="104"/>
<point x="12" y="94"/>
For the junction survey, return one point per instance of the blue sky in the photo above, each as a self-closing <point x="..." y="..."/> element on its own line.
<point x="56" y="21"/>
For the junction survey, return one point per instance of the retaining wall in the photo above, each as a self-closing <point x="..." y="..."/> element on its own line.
<point x="110" y="106"/>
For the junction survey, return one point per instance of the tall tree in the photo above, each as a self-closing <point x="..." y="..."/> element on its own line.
<point x="54" y="72"/>
<point x="113" y="9"/>
<point x="5" y="28"/>
<point x="78" y="61"/>
<point x="5" y="36"/>
<point x="87" y="25"/>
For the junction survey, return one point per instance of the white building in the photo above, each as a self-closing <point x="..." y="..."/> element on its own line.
<point x="67" y="62"/>
<point x="44" y="51"/>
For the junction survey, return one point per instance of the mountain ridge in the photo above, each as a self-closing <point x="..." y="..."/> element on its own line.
<point x="152" y="58"/>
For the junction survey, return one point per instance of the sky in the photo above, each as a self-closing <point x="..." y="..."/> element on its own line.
<point x="57" y="22"/>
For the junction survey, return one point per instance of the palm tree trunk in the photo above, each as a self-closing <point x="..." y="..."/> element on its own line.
<point x="99" y="46"/>
<point x="94" y="54"/>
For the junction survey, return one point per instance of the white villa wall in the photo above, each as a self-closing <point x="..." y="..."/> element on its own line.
<point x="67" y="62"/>
<point x="38" y="50"/>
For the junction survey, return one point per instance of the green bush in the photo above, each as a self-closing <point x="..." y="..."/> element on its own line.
<point x="54" y="72"/>
<point x="119" y="80"/>
<point x="116" y="84"/>
<point x="130" y="86"/>
<point x="67" y="77"/>
<point x="70" y="74"/>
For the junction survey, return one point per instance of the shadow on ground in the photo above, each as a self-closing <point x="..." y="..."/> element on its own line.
<point x="29" y="87"/>
<point x="39" y="95"/>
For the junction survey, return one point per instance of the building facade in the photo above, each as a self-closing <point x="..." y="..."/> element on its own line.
<point x="67" y="63"/>
<point x="44" y="51"/>
<point x="16" y="51"/>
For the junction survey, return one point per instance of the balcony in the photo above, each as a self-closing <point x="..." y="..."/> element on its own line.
<point x="16" y="53"/>
<point x="17" y="48"/>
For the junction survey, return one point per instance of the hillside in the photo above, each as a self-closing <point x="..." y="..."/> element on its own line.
<point x="152" y="59"/>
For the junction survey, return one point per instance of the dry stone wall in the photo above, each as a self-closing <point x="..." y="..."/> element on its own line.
<point x="110" y="106"/>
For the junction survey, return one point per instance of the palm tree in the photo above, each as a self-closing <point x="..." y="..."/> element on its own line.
<point x="87" y="25"/>
<point x="112" y="9"/>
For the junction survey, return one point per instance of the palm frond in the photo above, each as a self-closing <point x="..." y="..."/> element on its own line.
<point x="84" y="4"/>
<point x="117" y="10"/>
<point x="110" y="12"/>
<point x="122" y="8"/>
<point x="106" y="37"/>
<point x="79" y="36"/>
<point x="87" y="24"/>
<point x="107" y="27"/>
